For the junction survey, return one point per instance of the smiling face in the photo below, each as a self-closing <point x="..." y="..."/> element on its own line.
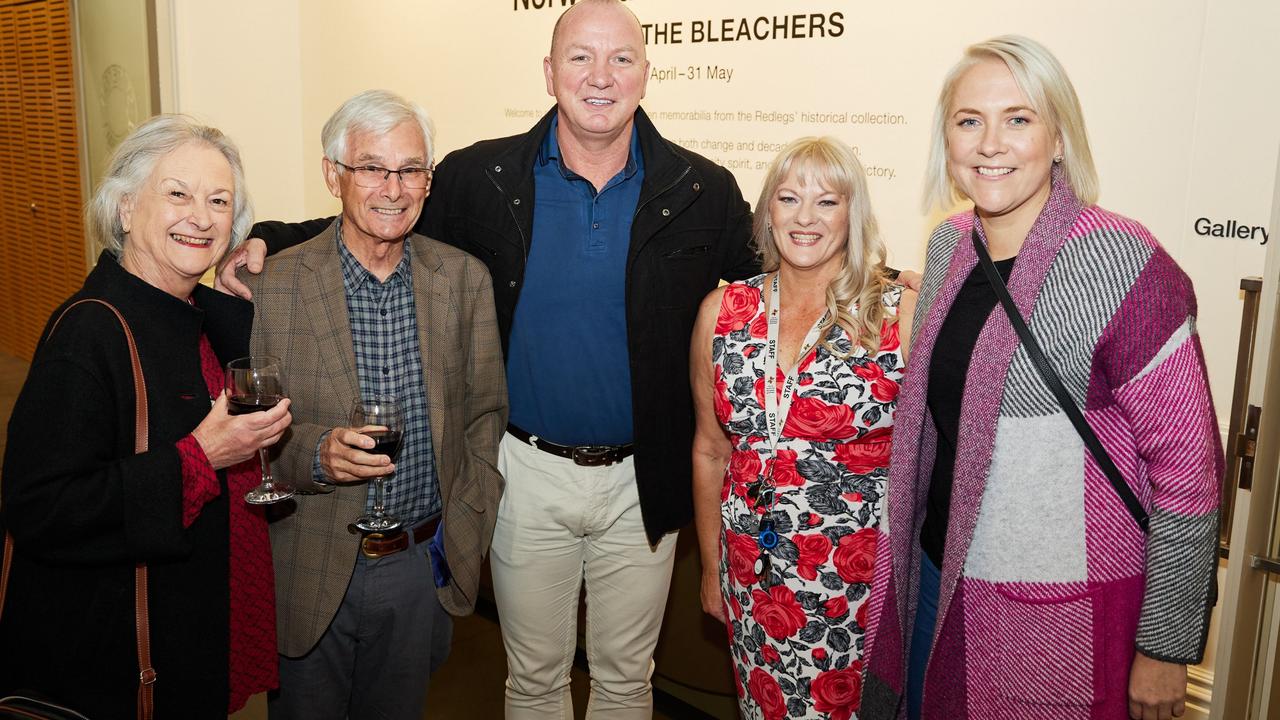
<point x="810" y="225"/>
<point x="999" y="150"/>
<point x="386" y="213"/>
<point x="178" y="224"/>
<point x="597" y="71"/>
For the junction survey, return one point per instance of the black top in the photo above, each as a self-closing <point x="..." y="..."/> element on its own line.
<point x="952" y="353"/>
<point x="83" y="508"/>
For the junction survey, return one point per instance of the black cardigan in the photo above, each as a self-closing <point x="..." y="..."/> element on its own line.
<point x="83" y="508"/>
<point x="691" y="229"/>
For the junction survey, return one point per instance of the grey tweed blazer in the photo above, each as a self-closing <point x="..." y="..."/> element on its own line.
<point x="301" y="317"/>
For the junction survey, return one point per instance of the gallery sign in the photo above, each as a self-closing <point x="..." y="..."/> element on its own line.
<point x="1208" y="227"/>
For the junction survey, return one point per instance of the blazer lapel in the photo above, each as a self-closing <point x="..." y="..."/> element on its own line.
<point x="431" y="307"/>
<point x="325" y="299"/>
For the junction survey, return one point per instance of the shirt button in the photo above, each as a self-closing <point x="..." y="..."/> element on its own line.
<point x="383" y="312"/>
<point x="386" y="370"/>
<point x="665" y="212"/>
<point x="595" y="226"/>
<point x="516" y="201"/>
<point x="511" y="284"/>
<point x="697" y="187"/>
<point x="497" y="168"/>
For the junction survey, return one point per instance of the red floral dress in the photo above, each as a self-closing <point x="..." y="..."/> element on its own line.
<point x="797" y="644"/>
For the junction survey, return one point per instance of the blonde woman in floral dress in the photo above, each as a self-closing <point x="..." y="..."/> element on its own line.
<point x="795" y="376"/>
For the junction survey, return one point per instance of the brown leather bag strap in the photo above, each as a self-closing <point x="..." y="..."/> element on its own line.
<point x="139" y="382"/>
<point x="146" y="673"/>
<point x="4" y="567"/>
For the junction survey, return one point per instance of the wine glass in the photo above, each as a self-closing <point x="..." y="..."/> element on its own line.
<point x="381" y="419"/>
<point x="253" y="385"/>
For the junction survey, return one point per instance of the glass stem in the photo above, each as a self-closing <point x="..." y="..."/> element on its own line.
<point x="379" y="497"/>
<point x="267" y="483"/>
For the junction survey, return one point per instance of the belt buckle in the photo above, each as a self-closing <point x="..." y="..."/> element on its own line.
<point x="592" y="455"/>
<point x="364" y="547"/>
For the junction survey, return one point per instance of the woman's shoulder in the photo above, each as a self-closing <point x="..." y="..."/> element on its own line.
<point x="891" y="297"/>
<point x="1125" y="247"/>
<point x="944" y="238"/>
<point x="1100" y="225"/>
<point x="953" y="227"/>
<point x="739" y="293"/>
<point x="84" y="319"/>
<point x="756" y="282"/>
<point x="899" y="302"/>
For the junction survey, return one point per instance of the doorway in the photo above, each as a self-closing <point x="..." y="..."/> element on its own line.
<point x="1248" y="644"/>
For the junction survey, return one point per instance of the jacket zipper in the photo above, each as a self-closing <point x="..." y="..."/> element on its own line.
<point x="660" y="193"/>
<point x="524" y="242"/>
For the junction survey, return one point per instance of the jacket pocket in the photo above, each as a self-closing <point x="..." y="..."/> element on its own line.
<point x="688" y="252"/>
<point x="685" y="270"/>
<point x="1047" y="646"/>
<point x="480" y="239"/>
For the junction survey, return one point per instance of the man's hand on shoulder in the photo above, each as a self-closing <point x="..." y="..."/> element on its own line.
<point x="250" y="256"/>
<point x="912" y="279"/>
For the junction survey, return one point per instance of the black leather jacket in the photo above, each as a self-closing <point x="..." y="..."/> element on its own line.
<point x="691" y="228"/>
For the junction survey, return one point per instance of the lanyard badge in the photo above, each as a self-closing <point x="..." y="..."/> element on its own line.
<point x="767" y="539"/>
<point x="762" y="493"/>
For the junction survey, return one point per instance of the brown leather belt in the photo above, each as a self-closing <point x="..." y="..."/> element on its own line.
<point x="376" y="545"/>
<point x="585" y="455"/>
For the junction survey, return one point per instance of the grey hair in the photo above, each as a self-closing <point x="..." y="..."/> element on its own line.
<point x="134" y="160"/>
<point x="376" y="112"/>
<point x="1045" y="83"/>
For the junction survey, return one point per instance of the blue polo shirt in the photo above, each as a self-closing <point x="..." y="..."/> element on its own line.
<point x="568" y="369"/>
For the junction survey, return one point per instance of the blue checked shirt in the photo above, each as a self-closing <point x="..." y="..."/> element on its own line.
<point x="384" y="333"/>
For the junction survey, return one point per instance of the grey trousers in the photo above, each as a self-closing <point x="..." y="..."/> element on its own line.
<point x="376" y="658"/>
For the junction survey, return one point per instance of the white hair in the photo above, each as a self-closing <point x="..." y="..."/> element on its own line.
<point x="134" y="160"/>
<point x="376" y="112"/>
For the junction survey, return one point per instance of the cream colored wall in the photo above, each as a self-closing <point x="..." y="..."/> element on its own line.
<point x="236" y="65"/>
<point x="1180" y="120"/>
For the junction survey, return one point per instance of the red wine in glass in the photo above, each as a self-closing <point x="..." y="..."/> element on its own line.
<point x="252" y="403"/>
<point x="254" y="385"/>
<point x="385" y="442"/>
<point x="382" y="419"/>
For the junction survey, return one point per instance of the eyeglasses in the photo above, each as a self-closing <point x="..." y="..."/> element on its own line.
<point x="372" y="176"/>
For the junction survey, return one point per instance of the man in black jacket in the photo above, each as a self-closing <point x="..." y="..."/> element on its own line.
<point x="601" y="238"/>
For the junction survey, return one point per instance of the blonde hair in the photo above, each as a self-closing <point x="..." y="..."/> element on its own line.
<point x="854" y="294"/>
<point x="1045" y="83"/>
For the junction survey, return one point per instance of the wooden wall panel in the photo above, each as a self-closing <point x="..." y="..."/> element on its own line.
<point x="41" y="230"/>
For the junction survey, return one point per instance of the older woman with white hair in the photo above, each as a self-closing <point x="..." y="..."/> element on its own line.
<point x="82" y="510"/>
<point x="1052" y="495"/>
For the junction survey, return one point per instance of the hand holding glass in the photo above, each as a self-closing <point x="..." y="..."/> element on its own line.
<point x="379" y="417"/>
<point x="254" y="385"/>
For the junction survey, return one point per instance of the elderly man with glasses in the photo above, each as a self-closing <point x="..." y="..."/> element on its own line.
<point x="369" y="307"/>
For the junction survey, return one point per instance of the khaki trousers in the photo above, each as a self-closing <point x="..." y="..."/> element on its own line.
<point x="560" y="525"/>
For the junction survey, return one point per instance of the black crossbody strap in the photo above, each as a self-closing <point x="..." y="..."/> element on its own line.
<point x="1059" y="390"/>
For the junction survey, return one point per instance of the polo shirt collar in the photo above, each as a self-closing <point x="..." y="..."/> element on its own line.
<point x="550" y="150"/>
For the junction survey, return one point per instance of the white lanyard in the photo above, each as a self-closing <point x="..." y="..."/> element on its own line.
<point x="775" y="410"/>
